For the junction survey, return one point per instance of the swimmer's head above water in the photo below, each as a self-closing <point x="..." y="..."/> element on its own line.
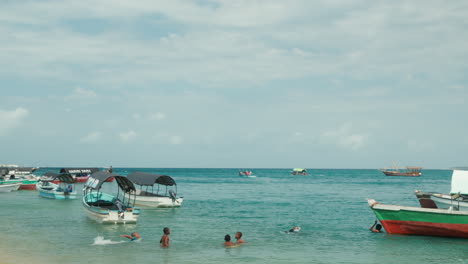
<point x="295" y="229"/>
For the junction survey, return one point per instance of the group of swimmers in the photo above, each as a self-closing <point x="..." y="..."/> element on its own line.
<point x="238" y="237"/>
<point x="164" y="241"/>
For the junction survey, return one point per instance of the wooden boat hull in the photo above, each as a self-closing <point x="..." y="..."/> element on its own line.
<point x="407" y="220"/>
<point x="425" y="199"/>
<point x="407" y="174"/>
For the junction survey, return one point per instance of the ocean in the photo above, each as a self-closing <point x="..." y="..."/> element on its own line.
<point x="329" y="205"/>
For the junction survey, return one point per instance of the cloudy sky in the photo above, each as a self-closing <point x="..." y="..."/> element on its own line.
<point x="241" y="84"/>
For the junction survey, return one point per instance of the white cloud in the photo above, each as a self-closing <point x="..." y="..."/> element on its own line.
<point x="11" y="119"/>
<point x="127" y="136"/>
<point x="91" y="137"/>
<point x="81" y="94"/>
<point x="344" y="137"/>
<point x="157" y="116"/>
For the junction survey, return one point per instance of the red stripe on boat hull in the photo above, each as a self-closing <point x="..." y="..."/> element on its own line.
<point x="28" y="187"/>
<point x="425" y="228"/>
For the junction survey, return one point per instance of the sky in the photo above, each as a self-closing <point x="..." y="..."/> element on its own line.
<point x="237" y="84"/>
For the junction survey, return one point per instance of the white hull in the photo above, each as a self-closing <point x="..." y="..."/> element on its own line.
<point x="158" y="202"/>
<point x="8" y="187"/>
<point x="444" y="201"/>
<point x="51" y="192"/>
<point x="112" y="217"/>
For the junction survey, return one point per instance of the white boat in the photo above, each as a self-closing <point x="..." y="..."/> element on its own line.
<point x="62" y="190"/>
<point x="146" y="194"/>
<point x="106" y="208"/>
<point x="8" y="187"/>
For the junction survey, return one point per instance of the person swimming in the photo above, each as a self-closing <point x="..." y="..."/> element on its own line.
<point x="294" y="230"/>
<point x="238" y="238"/>
<point x="133" y="236"/>
<point x="377" y="229"/>
<point x="227" y="242"/>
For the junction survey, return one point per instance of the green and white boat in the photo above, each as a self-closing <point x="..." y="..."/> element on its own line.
<point x="406" y="220"/>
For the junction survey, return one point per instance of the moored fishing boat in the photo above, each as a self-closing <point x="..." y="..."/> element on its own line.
<point x="63" y="190"/>
<point x="456" y="199"/>
<point x="147" y="196"/>
<point x="409" y="171"/>
<point x="406" y="220"/>
<point x="108" y="208"/>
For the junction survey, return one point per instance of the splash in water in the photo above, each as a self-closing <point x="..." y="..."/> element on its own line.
<point x="99" y="240"/>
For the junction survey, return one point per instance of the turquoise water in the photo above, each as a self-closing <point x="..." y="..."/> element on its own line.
<point x="329" y="205"/>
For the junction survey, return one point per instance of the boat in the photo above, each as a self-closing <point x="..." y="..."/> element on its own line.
<point x="147" y="196"/>
<point x="245" y="173"/>
<point x="107" y="208"/>
<point x="407" y="220"/>
<point x="299" y="171"/>
<point x="409" y="171"/>
<point x="8" y="187"/>
<point x="79" y="174"/>
<point x="456" y="199"/>
<point x="63" y="190"/>
<point x="27" y="181"/>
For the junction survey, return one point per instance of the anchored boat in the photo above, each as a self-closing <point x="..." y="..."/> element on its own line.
<point x="108" y="208"/>
<point x="456" y="199"/>
<point x="299" y="171"/>
<point x="64" y="189"/>
<point x="408" y="220"/>
<point x="409" y="171"/>
<point x="79" y="174"/>
<point x="146" y="195"/>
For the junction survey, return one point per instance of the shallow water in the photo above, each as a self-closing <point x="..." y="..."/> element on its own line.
<point x="329" y="205"/>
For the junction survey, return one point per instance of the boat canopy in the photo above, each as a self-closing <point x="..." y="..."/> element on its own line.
<point x="459" y="182"/>
<point x="78" y="170"/>
<point x="147" y="179"/>
<point x="98" y="178"/>
<point x="298" y="169"/>
<point x="4" y="171"/>
<point x="63" y="177"/>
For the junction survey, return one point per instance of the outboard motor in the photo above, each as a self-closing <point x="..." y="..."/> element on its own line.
<point x="172" y="194"/>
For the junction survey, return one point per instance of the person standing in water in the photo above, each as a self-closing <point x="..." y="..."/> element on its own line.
<point x="165" y="237"/>
<point x="238" y="237"/>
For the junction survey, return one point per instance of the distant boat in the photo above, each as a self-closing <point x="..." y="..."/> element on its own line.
<point x="79" y="174"/>
<point x="299" y="171"/>
<point x="406" y="220"/>
<point x="64" y="190"/>
<point x="409" y="171"/>
<point x="457" y="199"/>
<point x="245" y="173"/>
<point x="146" y="195"/>
<point x="106" y="208"/>
<point x="27" y="181"/>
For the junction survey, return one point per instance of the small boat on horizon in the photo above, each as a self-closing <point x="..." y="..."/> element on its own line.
<point x="146" y="195"/>
<point x="244" y="173"/>
<point x="299" y="171"/>
<point x="63" y="190"/>
<point x="107" y="208"/>
<point x="409" y="171"/>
